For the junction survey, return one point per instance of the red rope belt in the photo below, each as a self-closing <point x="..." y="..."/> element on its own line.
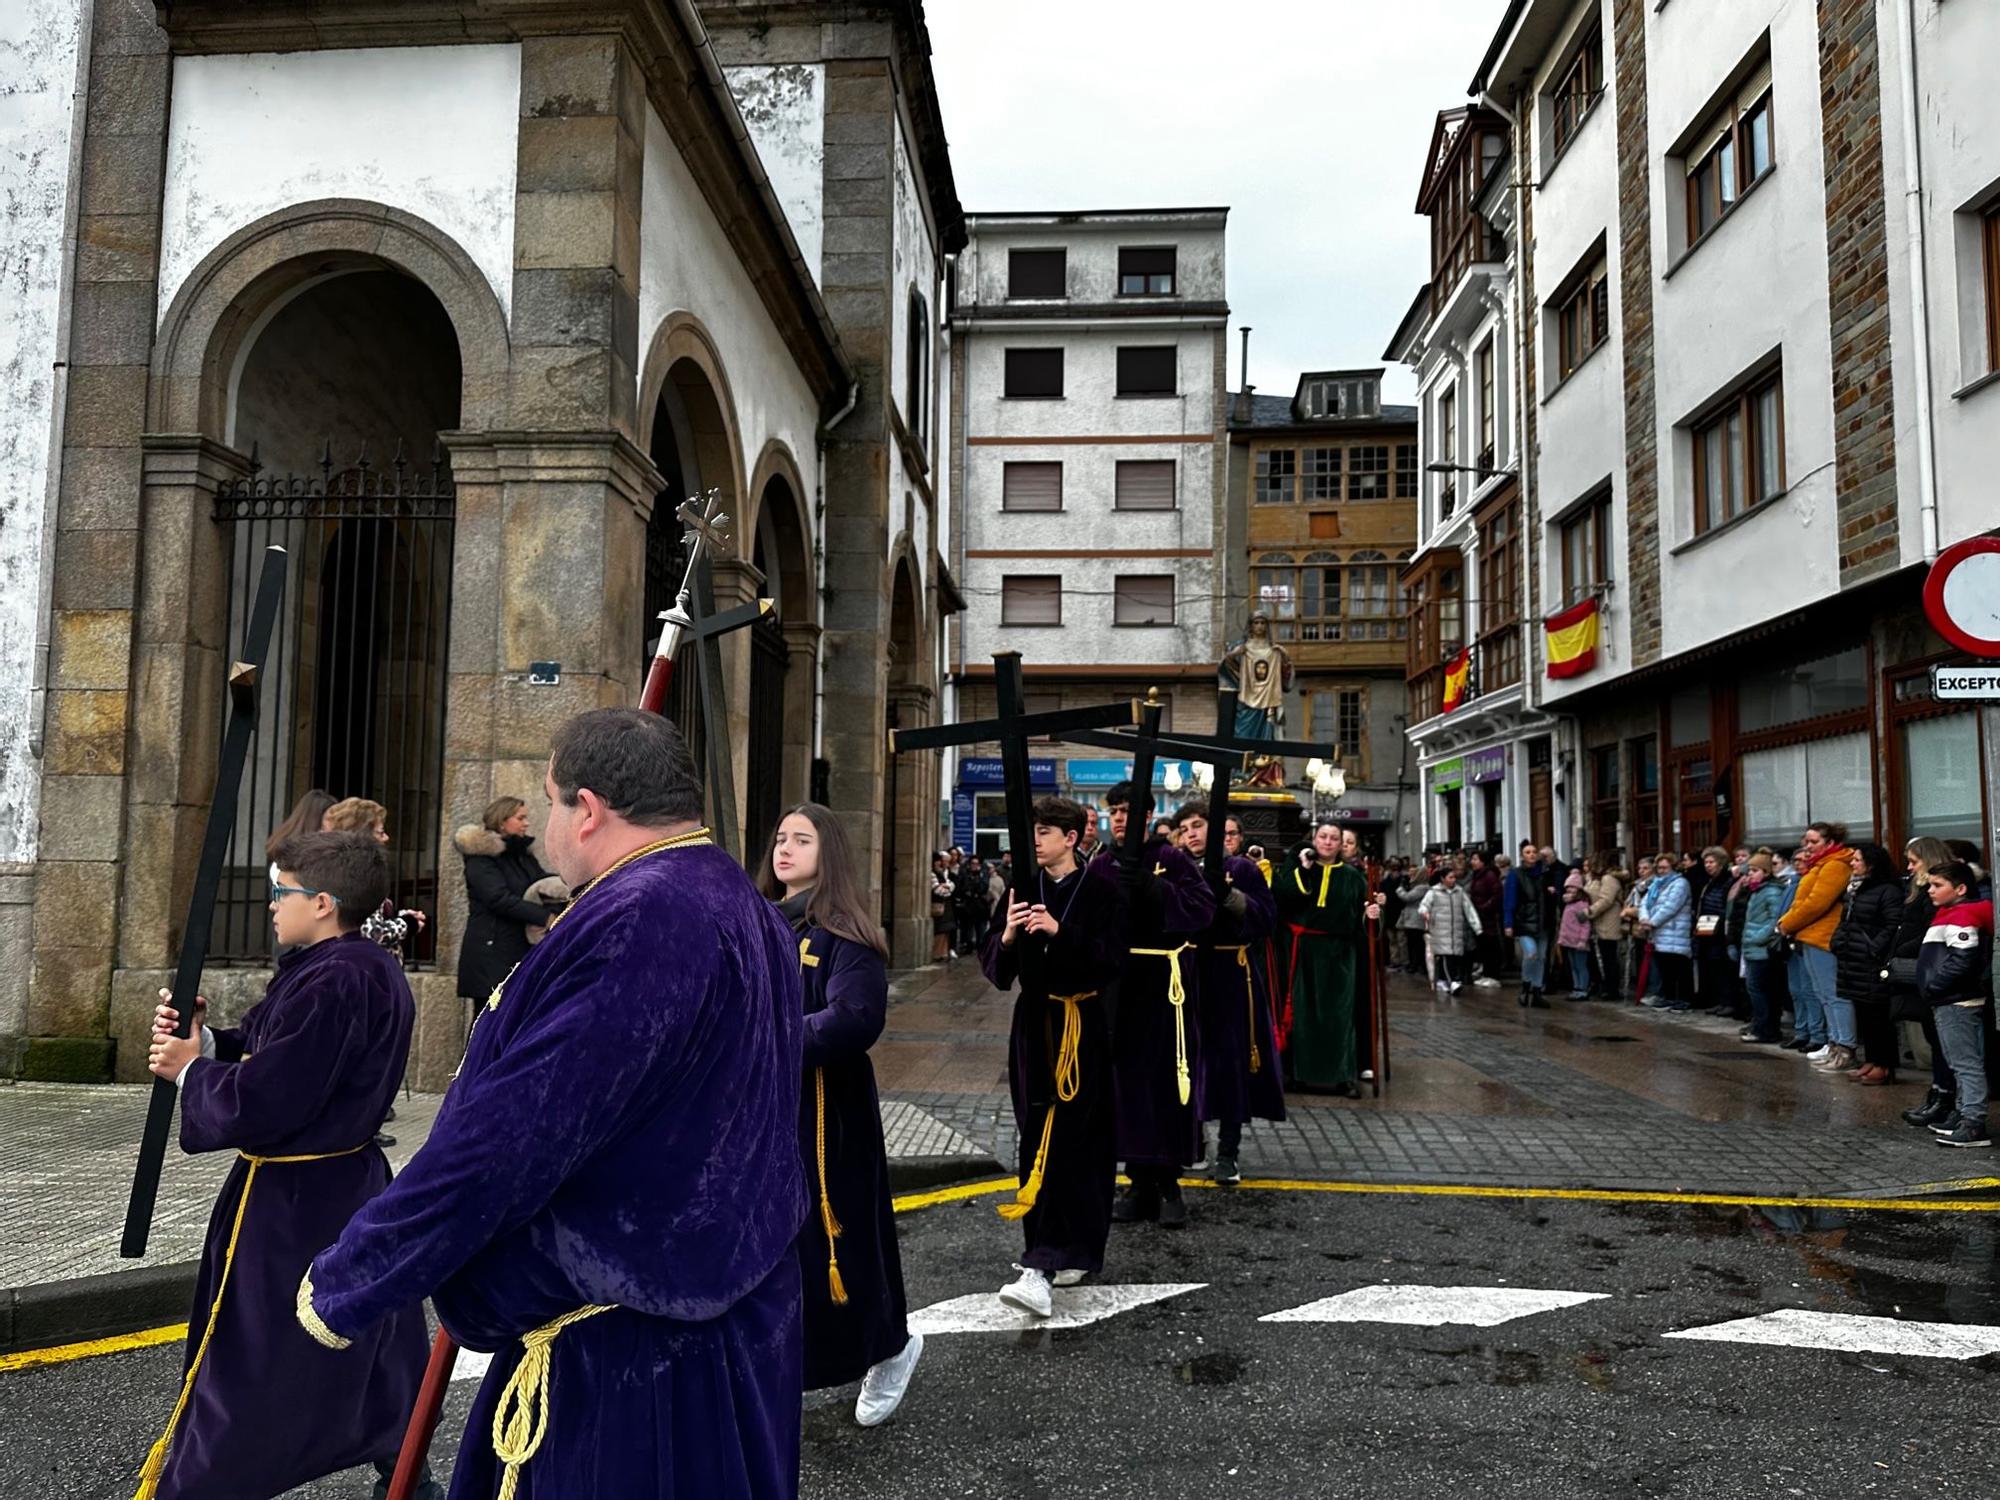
<point x="1285" y="1022"/>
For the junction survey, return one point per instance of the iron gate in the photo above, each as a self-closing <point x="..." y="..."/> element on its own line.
<point x="768" y="658"/>
<point x="354" y="692"/>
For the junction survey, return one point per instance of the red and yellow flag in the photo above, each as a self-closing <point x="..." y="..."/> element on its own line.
<point x="1571" y="635"/>
<point x="1457" y="678"/>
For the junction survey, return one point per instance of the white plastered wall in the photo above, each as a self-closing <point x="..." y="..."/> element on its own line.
<point x="784" y="108"/>
<point x="429" y="130"/>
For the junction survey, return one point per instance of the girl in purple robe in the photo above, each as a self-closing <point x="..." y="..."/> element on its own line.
<point x="611" y="1193"/>
<point x="856" y="1314"/>
<point x="297" y="1091"/>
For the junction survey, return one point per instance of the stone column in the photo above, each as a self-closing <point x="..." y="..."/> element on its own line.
<point x="912" y="828"/>
<point x="113" y="303"/>
<point x="801" y="680"/>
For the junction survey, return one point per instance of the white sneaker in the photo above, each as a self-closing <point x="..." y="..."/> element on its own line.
<point x="1486" y="984"/>
<point x="1030" y="1294"/>
<point x="1818" y="1054"/>
<point x="1069" y="1277"/>
<point x="1367" y="1075"/>
<point x="1456" y="986"/>
<point x="882" y="1389"/>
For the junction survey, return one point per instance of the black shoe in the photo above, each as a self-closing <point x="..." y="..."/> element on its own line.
<point x="1173" y="1207"/>
<point x="1947" y="1124"/>
<point x="1798" y="1044"/>
<point x="1967" y="1134"/>
<point x="1937" y="1104"/>
<point x="1522" y="998"/>
<point x="385" y="1141"/>
<point x="1135" y="1206"/>
<point x="1752" y="1034"/>
<point x="1226" y="1171"/>
<point x="1538" y="1000"/>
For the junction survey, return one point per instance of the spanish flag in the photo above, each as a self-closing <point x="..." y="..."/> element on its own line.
<point x="1457" y="678"/>
<point x="1571" y="635"/>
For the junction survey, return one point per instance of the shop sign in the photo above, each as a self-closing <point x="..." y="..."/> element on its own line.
<point x="1966" y="683"/>
<point x="1358" y="814"/>
<point x="961" y="819"/>
<point x="1111" y="772"/>
<point x="1448" y="775"/>
<point x="1487" y="765"/>
<point x="985" y="770"/>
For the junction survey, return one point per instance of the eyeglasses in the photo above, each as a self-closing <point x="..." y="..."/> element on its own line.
<point x="279" y="892"/>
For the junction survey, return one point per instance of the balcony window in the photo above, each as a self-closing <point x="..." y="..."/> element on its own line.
<point x="1739" y="453"/>
<point x="1500" y="598"/>
<point x="1302" y="599"/>
<point x="1374" y="599"/>
<point x="1586" y="551"/>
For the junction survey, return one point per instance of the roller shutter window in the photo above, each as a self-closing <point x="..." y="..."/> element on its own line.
<point x="1145" y="484"/>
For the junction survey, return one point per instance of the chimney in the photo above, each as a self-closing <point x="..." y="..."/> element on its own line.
<point x="1243" y="399"/>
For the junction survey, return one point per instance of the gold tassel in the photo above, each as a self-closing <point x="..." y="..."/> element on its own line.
<point x="1250" y="994"/>
<point x="836" y="1288"/>
<point x="1069" y="1078"/>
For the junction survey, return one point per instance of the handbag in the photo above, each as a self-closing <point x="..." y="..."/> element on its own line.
<point x="1781" y="947"/>
<point x="1707" y="926"/>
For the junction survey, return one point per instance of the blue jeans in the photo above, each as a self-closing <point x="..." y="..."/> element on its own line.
<point x="1531" y="960"/>
<point x="1763" y="1010"/>
<point x="1579" y="969"/>
<point x="1813" y="997"/>
<point x="1962" y="1030"/>
<point x="1812" y="972"/>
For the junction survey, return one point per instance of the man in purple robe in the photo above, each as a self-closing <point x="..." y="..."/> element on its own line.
<point x="1240" y="1077"/>
<point x="298" y="1092"/>
<point x="609" y="1197"/>
<point x="1156" y="1044"/>
<point x="1065" y="947"/>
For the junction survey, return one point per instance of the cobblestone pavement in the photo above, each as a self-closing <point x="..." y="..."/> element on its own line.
<point x="1583" y="1095"/>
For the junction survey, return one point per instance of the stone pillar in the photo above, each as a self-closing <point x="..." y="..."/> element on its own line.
<point x="912" y="825"/>
<point x="856" y="277"/>
<point x="1641" y="585"/>
<point x="113" y="305"/>
<point x="801" y="681"/>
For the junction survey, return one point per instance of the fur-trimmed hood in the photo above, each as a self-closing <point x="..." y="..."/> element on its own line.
<point x="477" y="838"/>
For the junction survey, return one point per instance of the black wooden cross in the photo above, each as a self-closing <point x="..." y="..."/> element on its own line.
<point x="1013" y="728"/>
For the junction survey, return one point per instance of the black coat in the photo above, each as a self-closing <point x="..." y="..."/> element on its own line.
<point x="1711" y="899"/>
<point x="1863" y="941"/>
<point x="498" y="868"/>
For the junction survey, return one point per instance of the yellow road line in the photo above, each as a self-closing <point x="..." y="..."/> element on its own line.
<point x="964" y="1191"/>
<point x="90" y="1348"/>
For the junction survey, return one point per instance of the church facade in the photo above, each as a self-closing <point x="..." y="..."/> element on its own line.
<point x="456" y="308"/>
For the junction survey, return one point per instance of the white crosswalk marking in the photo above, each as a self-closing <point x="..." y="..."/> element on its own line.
<point x="1852" y="1333"/>
<point x="1432" y="1306"/>
<point x="1075" y="1307"/>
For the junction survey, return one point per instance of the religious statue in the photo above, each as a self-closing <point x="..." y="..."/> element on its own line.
<point x="1261" y="672"/>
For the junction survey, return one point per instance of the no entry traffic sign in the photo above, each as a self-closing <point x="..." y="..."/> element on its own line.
<point x="1962" y="595"/>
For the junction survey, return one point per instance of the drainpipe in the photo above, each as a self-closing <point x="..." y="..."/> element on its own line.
<point x="1913" y="213"/>
<point x="38" y="704"/>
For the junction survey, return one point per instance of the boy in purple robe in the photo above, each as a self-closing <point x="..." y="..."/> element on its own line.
<point x="297" y="1091"/>
<point x="1065" y="948"/>
<point x="609" y="1197"/>
<point x="1240" y="1077"/>
<point x="1157" y="1046"/>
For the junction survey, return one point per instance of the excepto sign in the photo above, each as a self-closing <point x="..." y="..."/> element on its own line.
<point x="1962" y="683"/>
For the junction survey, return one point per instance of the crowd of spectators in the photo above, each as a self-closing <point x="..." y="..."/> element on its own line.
<point x="1843" y="939"/>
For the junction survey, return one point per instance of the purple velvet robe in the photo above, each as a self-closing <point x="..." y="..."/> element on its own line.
<point x="623" y="1131"/>
<point x="1071" y="1219"/>
<point x="846" y="1005"/>
<point x="1236" y="1005"/>
<point x="1173" y="905"/>
<point x="313" y="1068"/>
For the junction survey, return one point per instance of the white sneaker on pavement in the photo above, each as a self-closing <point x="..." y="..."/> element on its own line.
<point x="1030" y="1294"/>
<point x="882" y="1388"/>
<point x="1818" y="1054"/>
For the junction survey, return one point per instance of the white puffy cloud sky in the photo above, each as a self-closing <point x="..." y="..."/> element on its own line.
<point x="1309" y="119"/>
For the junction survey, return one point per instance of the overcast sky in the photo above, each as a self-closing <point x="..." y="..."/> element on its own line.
<point x="1308" y="118"/>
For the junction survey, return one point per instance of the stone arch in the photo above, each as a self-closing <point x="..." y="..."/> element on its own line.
<point x="228" y="298"/>
<point x="682" y="347"/>
<point x="912" y="788"/>
<point x="784" y="647"/>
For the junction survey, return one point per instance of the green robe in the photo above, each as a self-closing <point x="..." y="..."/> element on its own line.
<point x="1325" y="966"/>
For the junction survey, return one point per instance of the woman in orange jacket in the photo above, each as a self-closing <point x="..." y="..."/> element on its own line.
<point x="1817" y="1015"/>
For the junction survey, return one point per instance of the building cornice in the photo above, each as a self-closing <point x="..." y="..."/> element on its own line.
<point x="976" y="318"/>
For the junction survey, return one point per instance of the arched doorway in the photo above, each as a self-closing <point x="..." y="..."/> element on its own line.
<point x="780" y="709"/>
<point x="906" y="848"/>
<point x="340" y="396"/>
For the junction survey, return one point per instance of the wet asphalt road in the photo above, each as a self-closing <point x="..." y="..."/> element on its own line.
<point x="1194" y="1396"/>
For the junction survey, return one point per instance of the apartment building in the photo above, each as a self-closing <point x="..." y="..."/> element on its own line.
<point x="1483" y="751"/>
<point x="1759" y="346"/>
<point x="1326" y="480"/>
<point x="1088" y="452"/>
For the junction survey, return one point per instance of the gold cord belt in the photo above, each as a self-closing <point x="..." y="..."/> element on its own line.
<point x="1177" y="998"/>
<point x="156" y="1460"/>
<point x="836" y="1287"/>
<point x="1069" y="1079"/>
<point x="1242" y="952"/>
<point x="521" y="1420"/>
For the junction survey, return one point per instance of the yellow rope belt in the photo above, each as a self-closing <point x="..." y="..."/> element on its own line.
<point x="1242" y="952"/>
<point x="1069" y="1078"/>
<point x="521" y="1420"/>
<point x="156" y="1460"/>
<point x="1177" y="998"/>
<point x="835" y="1286"/>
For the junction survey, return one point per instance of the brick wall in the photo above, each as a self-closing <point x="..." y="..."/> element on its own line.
<point x="1635" y="291"/>
<point x="1857" y="271"/>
